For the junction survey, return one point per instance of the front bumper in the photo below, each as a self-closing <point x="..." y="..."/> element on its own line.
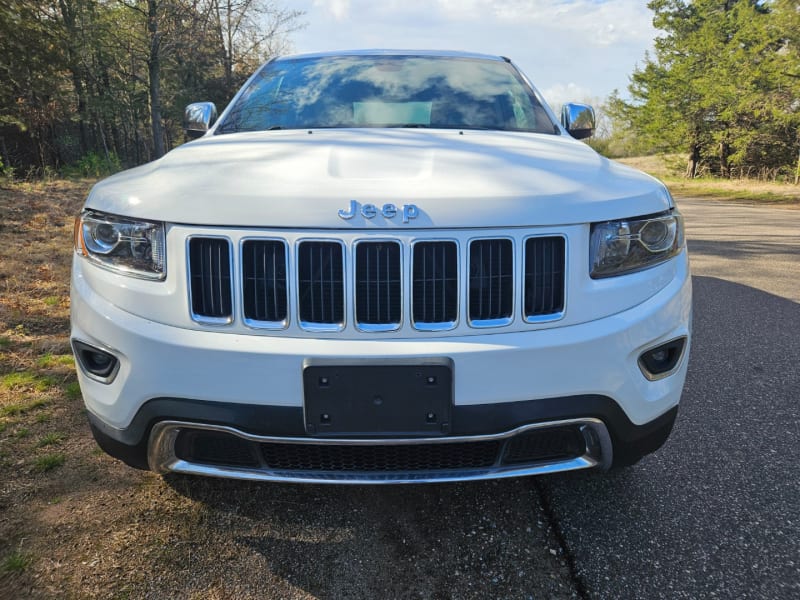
<point x="502" y="381"/>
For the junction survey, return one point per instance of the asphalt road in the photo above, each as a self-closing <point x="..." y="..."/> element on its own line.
<point x="716" y="512"/>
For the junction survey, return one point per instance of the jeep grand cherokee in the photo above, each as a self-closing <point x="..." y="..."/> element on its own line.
<point x="381" y="267"/>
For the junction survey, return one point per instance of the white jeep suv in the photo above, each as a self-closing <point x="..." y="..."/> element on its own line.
<point x="381" y="267"/>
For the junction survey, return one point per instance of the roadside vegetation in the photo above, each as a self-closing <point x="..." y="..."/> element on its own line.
<point x="721" y="91"/>
<point x="669" y="168"/>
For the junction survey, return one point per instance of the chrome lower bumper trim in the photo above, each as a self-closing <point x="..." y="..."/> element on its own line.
<point x="162" y="458"/>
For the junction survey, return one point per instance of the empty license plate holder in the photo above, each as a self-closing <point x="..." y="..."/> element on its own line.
<point x="378" y="399"/>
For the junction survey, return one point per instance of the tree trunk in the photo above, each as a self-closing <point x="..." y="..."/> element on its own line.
<point x="76" y="70"/>
<point x="724" y="167"/>
<point x="154" y="74"/>
<point x="694" y="159"/>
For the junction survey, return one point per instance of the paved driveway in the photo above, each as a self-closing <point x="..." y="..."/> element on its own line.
<point x="715" y="513"/>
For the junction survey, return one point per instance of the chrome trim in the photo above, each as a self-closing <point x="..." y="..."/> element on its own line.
<point x="378" y="327"/>
<point x="550" y="317"/>
<point x="162" y="459"/>
<point x="216" y="321"/>
<point x="111" y="376"/>
<point x="650" y="376"/>
<point x="515" y="282"/>
<point x="311" y="325"/>
<point x="578" y="120"/>
<point x="253" y="323"/>
<point x="198" y="117"/>
<point x="445" y="325"/>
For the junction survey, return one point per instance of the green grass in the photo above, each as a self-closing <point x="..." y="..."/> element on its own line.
<point x="22" y="433"/>
<point x="16" y="562"/>
<point x="25" y="380"/>
<point x="49" y="361"/>
<point x="52" y="300"/>
<point x="48" y="462"/>
<point x="3" y="426"/>
<point x="50" y="439"/>
<point x="707" y="187"/>
<point x="10" y="410"/>
<point x="73" y="390"/>
<point x="4" y="342"/>
<point x="42" y="417"/>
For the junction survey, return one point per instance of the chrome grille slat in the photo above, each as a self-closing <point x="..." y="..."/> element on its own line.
<point x="321" y="285"/>
<point x="378" y="285"/>
<point x="211" y="296"/>
<point x="264" y="290"/>
<point x="544" y="277"/>
<point x="434" y="281"/>
<point x="491" y="282"/>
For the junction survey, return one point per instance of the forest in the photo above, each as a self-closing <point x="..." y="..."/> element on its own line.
<point x="92" y="86"/>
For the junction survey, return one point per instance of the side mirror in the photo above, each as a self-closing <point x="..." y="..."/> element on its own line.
<point x="198" y="118"/>
<point x="578" y="120"/>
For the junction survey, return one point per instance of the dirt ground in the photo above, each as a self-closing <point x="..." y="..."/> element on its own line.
<point x="75" y="523"/>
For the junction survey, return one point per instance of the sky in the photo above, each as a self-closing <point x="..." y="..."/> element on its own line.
<point x="572" y="50"/>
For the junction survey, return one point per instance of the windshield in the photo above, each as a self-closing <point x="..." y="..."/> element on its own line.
<point x="387" y="91"/>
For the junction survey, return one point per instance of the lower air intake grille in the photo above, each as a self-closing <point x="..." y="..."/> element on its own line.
<point x="558" y="443"/>
<point x="532" y="447"/>
<point x="544" y="276"/>
<point x="413" y="457"/>
<point x="491" y="282"/>
<point x="210" y="279"/>
<point x="211" y="447"/>
<point x="320" y="279"/>
<point x="264" y="281"/>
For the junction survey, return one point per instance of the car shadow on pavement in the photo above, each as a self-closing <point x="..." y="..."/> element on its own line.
<point x="715" y="511"/>
<point x="484" y="539"/>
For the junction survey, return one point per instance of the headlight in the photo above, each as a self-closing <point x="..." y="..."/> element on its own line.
<point x="126" y="246"/>
<point x="619" y="247"/>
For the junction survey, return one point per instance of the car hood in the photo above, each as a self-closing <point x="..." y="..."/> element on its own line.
<point x="302" y="179"/>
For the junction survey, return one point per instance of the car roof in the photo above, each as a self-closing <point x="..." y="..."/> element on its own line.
<point x="389" y="52"/>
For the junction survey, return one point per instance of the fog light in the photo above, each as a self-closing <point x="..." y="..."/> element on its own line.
<point x="662" y="360"/>
<point x="98" y="364"/>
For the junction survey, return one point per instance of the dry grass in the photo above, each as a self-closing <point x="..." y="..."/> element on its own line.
<point x="669" y="168"/>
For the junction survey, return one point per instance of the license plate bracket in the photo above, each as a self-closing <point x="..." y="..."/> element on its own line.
<point x="378" y="399"/>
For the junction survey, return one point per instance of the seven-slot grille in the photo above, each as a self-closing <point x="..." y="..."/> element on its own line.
<point x="433" y="270"/>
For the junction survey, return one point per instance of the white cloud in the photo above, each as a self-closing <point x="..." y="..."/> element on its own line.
<point x="559" y="93"/>
<point x="338" y="9"/>
<point x="593" y="43"/>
